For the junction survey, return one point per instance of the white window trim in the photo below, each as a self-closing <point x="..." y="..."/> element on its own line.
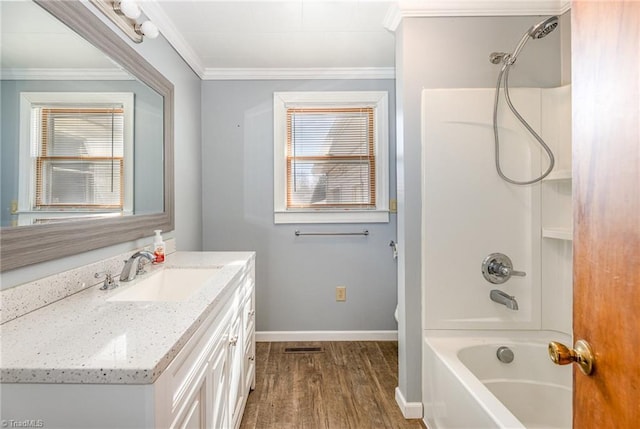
<point x="376" y="99"/>
<point x="26" y="182"/>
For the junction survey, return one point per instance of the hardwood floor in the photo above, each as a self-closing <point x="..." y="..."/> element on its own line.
<point x="350" y="385"/>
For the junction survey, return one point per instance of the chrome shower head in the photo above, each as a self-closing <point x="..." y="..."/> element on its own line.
<point x="543" y="28"/>
<point x="537" y="31"/>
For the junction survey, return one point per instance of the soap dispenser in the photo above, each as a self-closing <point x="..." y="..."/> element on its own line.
<point x="158" y="247"/>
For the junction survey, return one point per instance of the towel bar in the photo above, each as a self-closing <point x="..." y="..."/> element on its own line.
<point x="363" y="232"/>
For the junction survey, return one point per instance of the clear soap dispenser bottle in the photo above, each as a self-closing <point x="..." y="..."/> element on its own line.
<point x="158" y="247"/>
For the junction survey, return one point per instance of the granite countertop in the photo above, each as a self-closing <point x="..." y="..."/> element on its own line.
<point x="86" y="339"/>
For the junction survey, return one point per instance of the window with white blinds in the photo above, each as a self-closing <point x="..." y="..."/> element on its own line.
<point x="331" y="157"/>
<point x="80" y="150"/>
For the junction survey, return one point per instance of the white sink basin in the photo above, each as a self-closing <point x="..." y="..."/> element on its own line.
<point x="169" y="284"/>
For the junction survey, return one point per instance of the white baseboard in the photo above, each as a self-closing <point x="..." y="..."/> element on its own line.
<point x="410" y="410"/>
<point x="278" y="336"/>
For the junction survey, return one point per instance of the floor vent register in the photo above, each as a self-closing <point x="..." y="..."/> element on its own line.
<point x="304" y="350"/>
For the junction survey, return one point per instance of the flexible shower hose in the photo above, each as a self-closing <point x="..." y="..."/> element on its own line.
<point x="505" y="71"/>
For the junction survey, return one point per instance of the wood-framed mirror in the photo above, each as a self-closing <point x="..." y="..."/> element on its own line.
<point x="25" y="245"/>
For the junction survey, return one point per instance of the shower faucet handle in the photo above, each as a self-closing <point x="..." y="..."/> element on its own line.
<point x="497" y="268"/>
<point x="518" y="273"/>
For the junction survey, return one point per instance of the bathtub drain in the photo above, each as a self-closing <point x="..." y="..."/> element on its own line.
<point x="504" y="354"/>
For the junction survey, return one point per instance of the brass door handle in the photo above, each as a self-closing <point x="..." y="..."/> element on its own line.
<point x="581" y="354"/>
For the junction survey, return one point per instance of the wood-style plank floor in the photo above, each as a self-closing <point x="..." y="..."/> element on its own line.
<point x="350" y="385"/>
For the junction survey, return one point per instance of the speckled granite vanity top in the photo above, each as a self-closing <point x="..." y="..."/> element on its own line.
<point x="85" y="338"/>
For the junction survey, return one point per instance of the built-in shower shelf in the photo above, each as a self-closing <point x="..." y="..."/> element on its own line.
<point x="558" y="233"/>
<point x="558" y="175"/>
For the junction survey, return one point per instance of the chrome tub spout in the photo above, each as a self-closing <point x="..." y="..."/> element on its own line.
<point x="504" y="299"/>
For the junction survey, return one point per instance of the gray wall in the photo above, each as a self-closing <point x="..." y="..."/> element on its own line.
<point x="148" y="157"/>
<point x="446" y="53"/>
<point x="296" y="277"/>
<point x="187" y="137"/>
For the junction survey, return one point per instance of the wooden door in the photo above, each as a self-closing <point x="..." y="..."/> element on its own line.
<point x="606" y="180"/>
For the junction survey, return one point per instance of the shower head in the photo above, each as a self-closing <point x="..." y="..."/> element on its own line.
<point x="543" y="28"/>
<point x="537" y="31"/>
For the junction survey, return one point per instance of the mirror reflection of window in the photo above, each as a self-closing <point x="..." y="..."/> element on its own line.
<point x="76" y="157"/>
<point x="80" y="156"/>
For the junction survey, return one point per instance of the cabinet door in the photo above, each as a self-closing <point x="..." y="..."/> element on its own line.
<point x="193" y="415"/>
<point x="236" y="364"/>
<point x="249" y="367"/>
<point x="218" y="394"/>
<point x="248" y="333"/>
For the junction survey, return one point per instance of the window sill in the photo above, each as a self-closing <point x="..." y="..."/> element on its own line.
<point x="342" y="216"/>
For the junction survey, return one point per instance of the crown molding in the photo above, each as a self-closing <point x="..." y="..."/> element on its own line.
<point x="64" y="74"/>
<point x="158" y="16"/>
<point x="299" y="73"/>
<point x="441" y="8"/>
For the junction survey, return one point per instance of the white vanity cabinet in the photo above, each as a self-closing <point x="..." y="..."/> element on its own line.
<point x="205" y="385"/>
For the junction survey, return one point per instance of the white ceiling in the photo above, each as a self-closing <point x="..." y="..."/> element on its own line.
<point x="221" y="37"/>
<point x="253" y="39"/>
<point x="290" y="34"/>
<point x="218" y="39"/>
<point x="45" y="43"/>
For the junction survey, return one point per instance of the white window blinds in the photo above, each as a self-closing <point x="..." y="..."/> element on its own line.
<point x="331" y="158"/>
<point x="79" y="162"/>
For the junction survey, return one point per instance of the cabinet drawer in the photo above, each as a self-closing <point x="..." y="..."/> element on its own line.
<point x="248" y="318"/>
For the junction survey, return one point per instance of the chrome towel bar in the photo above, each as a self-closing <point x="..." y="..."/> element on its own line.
<point x="363" y="232"/>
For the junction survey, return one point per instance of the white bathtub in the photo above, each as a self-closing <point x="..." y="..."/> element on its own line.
<point x="466" y="386"/>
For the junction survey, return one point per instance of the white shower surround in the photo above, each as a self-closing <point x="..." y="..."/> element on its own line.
<point x="468" y="212"/>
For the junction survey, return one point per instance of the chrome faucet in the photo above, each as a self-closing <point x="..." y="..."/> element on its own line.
<point x="504" y="299"/>
<point x="128" y="272"/>
<point x="497" y="268"/>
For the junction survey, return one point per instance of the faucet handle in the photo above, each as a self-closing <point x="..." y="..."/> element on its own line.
<point x="497" y="268"/>
<point x="500" y="269"/>
<point x="109" y="282"/>
<point x="141" y="264"/>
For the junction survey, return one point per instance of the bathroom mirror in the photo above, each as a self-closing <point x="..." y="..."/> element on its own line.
<point x="150" y="179"/>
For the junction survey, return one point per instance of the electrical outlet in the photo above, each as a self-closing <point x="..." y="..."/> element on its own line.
<point x="341" y="293"/>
